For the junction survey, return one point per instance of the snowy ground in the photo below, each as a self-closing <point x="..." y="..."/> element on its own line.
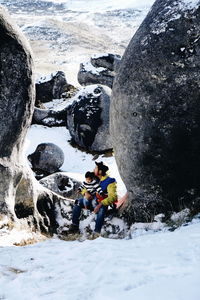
<point x="163" y="265"/>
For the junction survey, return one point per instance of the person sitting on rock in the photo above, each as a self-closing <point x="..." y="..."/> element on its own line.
<point x="89" y="188"/>
<point x="108" y="186"/>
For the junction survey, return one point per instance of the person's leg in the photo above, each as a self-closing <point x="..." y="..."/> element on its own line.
<point x="100" y="218"/>
<point x="77" y="212"/>
<point x="85" y="202"/>
<point x="94" y="203"/>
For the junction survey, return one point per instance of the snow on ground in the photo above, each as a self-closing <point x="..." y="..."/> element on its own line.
<point x="163" y="265"/>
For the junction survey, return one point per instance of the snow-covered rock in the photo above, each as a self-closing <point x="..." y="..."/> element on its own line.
<point x="51" y="87"/>
<point x="113" y="226"/>
<point x="61" y="184"/>
<point x="99" y="70"/>
<point x="88" y="74"/>
<point x="106" y="60"/>
<point x="47" y="158"/>
<point x="49" y="117"/>
<point x="88" y="118"/>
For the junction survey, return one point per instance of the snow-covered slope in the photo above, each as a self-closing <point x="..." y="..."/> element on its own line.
<point x="163" y="265"/>
<point x="62" y="33"/>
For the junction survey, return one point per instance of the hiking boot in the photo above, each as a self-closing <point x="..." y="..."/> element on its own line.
<point x="73" y="229"/>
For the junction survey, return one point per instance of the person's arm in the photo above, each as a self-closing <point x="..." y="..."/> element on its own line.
<point x="112" y="197"/>
<point x="82" y="189"/>
<point x="99" y="190"/>
<point x="112" y="194"/>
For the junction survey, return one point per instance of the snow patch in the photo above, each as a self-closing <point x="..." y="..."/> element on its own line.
<point x="99" y="55"/>
<point x="46" y="78"/>
<point x="19" y="237"/>
<point x="181" y="216"/>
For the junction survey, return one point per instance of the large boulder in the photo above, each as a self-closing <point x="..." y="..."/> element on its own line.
<point x="88" y="118"/>
<point x="17" y="103"/>
<point x="155" y="111"/>
<point x="51" y="87"/>
<point x="22" y="200"/>
<point x="47" y="158"/>
<point x="54" y="113"/>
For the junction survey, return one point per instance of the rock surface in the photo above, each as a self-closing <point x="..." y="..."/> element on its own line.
<point x="88" y="118"/>
<point x="61" y="184"/>
<point x="47" y="158"/>
<point x="99" y="70"/>
<point x="106" y="60"/>
<point x="89" y="74"/>
<point x="155" y="111"/>
<point x="49" y="117"/>
<point x="17" y="100"/>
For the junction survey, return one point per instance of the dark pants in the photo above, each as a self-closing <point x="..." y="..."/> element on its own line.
<point x="99" y="219"/>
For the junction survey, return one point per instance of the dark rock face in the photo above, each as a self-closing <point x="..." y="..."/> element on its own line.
<point x="88" y="118"/>
<point x="51" y="87"/>
<point x="155" y="111"/>
<point x="16" y="105"/>
<point x="61" y="184"/>
<point x="47" y="158"/>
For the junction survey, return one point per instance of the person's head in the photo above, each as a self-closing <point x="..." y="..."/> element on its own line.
<point x="89" y="176"/>
<point x="100" y="169"/>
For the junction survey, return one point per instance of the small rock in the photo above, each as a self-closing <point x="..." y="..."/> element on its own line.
<point x="88" y="74"/>
<point x="47" y="157"/>
<point x="106" y="60"/>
